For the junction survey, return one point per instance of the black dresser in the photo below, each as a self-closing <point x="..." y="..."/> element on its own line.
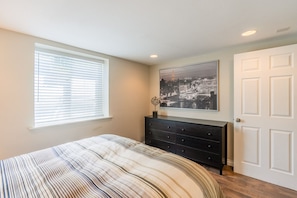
<point x="203" y="141"/>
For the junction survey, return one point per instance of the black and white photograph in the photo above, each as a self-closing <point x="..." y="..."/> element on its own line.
<point x="194" y="86"/>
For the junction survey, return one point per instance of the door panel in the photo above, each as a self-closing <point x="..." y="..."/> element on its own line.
<point x="251" y="152"/>
<point x="281" y="151"/>
<point x="281" y="96"/>
<point x="250" y="64"/>
<point x="250" y="96"/>
<point x="265" y="127"/>
<point x="281" y="61"/>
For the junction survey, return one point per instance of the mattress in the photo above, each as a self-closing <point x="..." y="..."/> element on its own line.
<point x="104" y="166"/>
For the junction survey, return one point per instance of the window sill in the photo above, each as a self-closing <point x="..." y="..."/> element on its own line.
<point x="70" y="122"/>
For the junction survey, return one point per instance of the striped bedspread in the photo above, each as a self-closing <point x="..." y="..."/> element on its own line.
<point x="104" y="166"/>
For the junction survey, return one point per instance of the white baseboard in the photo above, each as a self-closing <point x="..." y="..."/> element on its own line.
<point x="230" y="162"/>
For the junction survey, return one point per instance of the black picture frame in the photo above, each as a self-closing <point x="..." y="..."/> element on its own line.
<point x="191" y="87"/>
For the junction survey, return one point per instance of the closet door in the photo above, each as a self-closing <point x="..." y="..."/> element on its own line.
<point x="265" y="115"/>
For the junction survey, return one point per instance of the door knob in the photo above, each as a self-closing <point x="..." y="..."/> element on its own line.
<point x="237" y="120"/>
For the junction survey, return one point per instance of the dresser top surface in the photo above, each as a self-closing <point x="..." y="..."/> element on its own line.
<point x="191" y="120"/>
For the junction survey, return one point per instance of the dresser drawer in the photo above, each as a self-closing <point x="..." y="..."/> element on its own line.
<point x="167" y="146"/>
<point x="199" y="156"/>
<point x="202" y="144"/>
<point x="202" y="131"/>
<point x="163" y="125"/>
<point x="161" y="135"/>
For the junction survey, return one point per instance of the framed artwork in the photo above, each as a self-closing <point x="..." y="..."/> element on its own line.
<point x="193" y="87"/>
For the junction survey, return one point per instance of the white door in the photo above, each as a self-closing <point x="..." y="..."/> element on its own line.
<point x="265" y="115"/>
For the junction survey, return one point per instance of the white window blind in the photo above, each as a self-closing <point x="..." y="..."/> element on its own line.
<point x="67" y="87"/>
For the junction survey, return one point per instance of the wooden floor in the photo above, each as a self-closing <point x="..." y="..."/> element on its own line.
<point x="238" y="186"/>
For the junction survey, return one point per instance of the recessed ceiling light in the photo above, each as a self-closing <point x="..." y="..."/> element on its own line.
<point x="154" y="56"/>
<point x="248" y="33"/>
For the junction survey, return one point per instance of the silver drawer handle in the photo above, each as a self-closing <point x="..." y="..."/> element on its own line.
<point x="168" y="137"/>
<point x="209" y="146"/>
<point x="209" y="158"/>
<point x="182" y="140"/>
<point x="168" y="146"/>
<point x="209" y="133"/>
<point x="182" y="150"/>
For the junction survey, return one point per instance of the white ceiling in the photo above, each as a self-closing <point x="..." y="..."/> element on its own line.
<point x="134" y="29"/>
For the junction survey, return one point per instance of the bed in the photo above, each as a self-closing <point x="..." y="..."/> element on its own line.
<point x="104" y="166"/>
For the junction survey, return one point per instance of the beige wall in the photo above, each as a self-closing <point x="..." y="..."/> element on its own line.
<point x="129" y="85"/>
<point x="225" y="57"/>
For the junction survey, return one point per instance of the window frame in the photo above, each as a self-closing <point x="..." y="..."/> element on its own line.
<point x="75" y="54"/>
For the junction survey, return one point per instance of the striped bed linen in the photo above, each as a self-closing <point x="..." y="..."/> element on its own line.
<point x="104" y="166"/>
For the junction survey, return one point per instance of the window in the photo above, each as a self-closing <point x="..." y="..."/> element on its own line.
<point x="68" y="86"/>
